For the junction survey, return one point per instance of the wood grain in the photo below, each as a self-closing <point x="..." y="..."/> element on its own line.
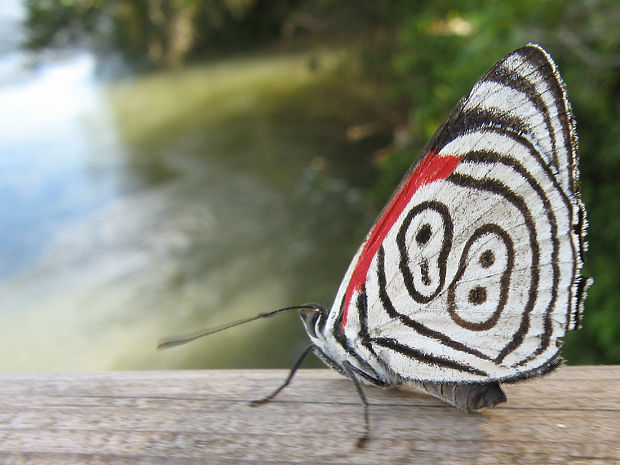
<point x="203" y="417"/>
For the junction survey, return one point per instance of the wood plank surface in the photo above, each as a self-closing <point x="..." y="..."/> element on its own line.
<point x="203" y="417"/>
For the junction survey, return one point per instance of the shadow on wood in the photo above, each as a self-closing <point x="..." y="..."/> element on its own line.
<point x="196" y="417"/>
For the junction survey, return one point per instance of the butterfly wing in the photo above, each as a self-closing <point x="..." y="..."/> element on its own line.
<point x="472" y="271"/>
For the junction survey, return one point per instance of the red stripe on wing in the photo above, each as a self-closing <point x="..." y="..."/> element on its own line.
<point x="434" y="167"/>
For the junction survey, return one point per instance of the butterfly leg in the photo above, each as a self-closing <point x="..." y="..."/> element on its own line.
<point x="296" y="365"/>
<point x="348" y="370"/>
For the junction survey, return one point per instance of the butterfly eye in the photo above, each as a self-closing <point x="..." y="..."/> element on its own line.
<point x="423" y="234"/>
<point x="310" y="319"/>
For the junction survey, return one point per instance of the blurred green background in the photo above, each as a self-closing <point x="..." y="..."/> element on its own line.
<point x="170" y="165"/>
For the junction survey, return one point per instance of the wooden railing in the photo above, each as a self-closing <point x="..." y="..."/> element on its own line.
<point x="203" y="417"/>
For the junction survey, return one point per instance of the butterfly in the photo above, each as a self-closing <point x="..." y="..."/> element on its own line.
<point x="471" y="274"/>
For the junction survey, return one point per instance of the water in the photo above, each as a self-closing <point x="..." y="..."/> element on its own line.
<point x="161" y="204"/>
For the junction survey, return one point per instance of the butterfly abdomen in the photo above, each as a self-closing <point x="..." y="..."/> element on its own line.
<point x="467" y="397"/>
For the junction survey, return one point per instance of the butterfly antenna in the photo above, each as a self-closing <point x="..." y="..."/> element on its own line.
<point x="184" y="339"/>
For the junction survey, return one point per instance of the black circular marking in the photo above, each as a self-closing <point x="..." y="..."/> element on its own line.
<point x="442" y="258"/>
<point x="478" y="295"/>
<point x="424" y="234"/>
<point x="487" y="258"/>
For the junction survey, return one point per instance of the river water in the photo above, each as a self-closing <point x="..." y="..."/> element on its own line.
<point x="158" y="204"/>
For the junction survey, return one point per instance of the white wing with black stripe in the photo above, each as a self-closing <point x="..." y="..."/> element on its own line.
<point x="472" y="272"/>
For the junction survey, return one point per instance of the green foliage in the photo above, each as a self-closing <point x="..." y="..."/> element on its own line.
<point x="444" y="46"/>
<point x="54" y="21"/>
<point x="161" y="33"/>
<point x="166" y="33"/>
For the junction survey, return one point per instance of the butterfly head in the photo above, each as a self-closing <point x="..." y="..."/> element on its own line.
<point x="314" y="319"/>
